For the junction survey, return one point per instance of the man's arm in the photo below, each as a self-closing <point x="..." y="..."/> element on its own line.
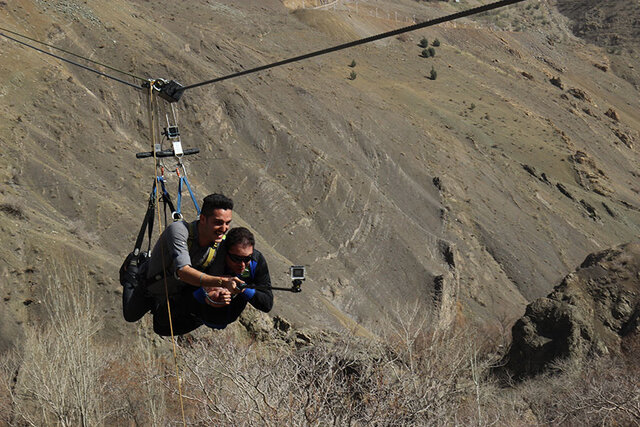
<point x="197" y="278"/>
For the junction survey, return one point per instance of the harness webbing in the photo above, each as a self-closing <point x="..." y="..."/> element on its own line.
<point x="147" y="223"/>
<point x="183" y="179"/>
<point x="211" y="253"/>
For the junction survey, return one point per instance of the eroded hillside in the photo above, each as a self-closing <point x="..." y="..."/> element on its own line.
<point x="484" y="186"/>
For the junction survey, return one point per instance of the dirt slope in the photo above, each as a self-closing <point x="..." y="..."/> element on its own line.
<point x="483" y="187"/>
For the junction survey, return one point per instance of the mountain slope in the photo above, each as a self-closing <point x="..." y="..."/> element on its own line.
<point x="483" y="187"/>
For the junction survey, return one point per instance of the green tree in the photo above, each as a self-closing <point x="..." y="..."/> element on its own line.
<point x="353" y="63"/>
<point x="436" y="43"/>
<point x="434" y="74"/>
<point x="353" y="75"/>
<point x="423" y="43"/>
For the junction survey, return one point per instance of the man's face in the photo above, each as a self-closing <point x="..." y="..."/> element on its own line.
<point x="238" y="258"/>
<point x="216" y="225"/>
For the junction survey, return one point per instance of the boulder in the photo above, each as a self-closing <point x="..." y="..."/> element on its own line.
<point x="612" y="114"/>
<point x="579" y="94"/>
<point x="593" y="311"/>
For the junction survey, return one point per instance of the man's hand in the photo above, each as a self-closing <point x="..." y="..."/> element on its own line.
<point x="233" y="284"/>
<point x="197" y="278"/>
<point x="217" y="297"/>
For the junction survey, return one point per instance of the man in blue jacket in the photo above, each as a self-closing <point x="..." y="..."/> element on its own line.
<point x="242" y="262"/>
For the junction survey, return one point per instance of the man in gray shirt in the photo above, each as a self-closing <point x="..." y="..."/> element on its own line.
<point x="180" y="259"/>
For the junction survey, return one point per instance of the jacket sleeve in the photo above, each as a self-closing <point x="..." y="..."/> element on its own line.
<point x="262" y="299"/>
<point x="177" y="235"/>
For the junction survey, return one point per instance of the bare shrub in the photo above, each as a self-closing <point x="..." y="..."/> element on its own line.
<point x="416" y="375"/>
<point x="439" y="374"/>
<point x="226" y="382"/>
<point x="57" y="378"/>
<point x="137" y="381"/>
<point x="8" y="375"/>
<point x="603" y="391"/>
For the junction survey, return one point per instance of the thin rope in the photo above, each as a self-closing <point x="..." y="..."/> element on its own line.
<point x="73" y="54"/>
<point x="72" y="62"/>
<point x="152" y="124"/>
<point x="376" y="37"/>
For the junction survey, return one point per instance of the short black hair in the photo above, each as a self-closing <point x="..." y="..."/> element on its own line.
<point x="239" y="236"/>
<point x="215" y="201"/>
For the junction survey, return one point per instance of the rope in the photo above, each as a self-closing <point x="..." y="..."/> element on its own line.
<point x="72" y="62"/>
<point x="152" y="124"/>
<point x="73" y="54"/>
<point x="376" y="37"/>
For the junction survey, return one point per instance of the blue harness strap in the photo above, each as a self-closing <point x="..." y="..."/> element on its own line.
<point x="193" y="197"/>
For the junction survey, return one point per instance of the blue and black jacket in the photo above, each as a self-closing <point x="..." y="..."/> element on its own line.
<point x="191" y="310"/>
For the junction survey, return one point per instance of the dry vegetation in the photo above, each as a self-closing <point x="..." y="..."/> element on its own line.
<point x="416" y="375"/>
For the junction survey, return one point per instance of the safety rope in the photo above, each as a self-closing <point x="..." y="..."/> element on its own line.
<point x="72" y="54"/>
<point x="152" y="125"/>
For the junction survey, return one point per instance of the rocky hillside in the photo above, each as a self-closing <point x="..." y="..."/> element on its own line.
<point x="472" y="193"/>
<point x="614" y="25"/>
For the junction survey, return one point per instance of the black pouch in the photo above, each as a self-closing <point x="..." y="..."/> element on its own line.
<point x="133" y="269"/>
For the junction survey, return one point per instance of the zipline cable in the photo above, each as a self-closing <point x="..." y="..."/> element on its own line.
<point x="73" y="62"/>
<point x="376" y="37"/>
<point x="458" y="15"/>
<point x="73" y="54"/>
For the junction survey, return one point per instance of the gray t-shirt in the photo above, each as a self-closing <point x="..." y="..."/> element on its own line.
<point x="173" y="252"/>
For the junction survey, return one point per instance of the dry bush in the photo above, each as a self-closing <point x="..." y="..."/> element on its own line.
<point x="8" y="371"/>
<point x="56" y="378"/>
<point x="227" y="382"/>
<point x="602" y="391"/>
<point x="64" y="375"/>
<point x="416" y="375"/>
<point x="137" y="381"/>
<point x="439" y="374"/>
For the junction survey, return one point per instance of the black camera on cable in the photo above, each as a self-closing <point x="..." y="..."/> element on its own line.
<point x="297" y="277"/>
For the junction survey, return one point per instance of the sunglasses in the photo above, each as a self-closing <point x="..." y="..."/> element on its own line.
<point x="239" y="259"/>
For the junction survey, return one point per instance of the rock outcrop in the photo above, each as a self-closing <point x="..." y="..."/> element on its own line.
<point x="593" y="311"/>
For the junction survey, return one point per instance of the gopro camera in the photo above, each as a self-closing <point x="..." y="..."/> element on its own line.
<point x="297" y="276"/>
<point x="297" y="272"/>
<point x="172" y="131"/>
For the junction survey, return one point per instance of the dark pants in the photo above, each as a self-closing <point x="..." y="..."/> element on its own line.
<point x="188" y="314"/>
<point x="135" y="302"/>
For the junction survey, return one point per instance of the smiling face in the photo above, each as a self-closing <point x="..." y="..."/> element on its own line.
<point x="238" y="258"/>
<point x="213" y="227"/>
